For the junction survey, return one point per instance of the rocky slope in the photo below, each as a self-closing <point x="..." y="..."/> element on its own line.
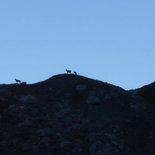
<point x="148" y="93"/>
<point x="74" y="115"/>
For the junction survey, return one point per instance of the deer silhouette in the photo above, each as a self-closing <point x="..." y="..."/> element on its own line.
<point x="68" y="71"/>
<point x="75" y="73"/>
<point x="18" y="81"/>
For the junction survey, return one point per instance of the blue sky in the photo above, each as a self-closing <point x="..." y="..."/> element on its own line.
<point x="108" y="40"/>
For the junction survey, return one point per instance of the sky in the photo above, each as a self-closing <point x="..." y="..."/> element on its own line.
<point x="109" y="40"/>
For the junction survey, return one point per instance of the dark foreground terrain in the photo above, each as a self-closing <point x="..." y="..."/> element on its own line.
<point x="74" y="115"/>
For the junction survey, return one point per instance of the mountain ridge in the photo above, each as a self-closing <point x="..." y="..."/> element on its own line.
<point x="74" y="115"/>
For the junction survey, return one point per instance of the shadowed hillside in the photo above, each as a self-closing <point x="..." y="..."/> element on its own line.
<point x="74" y="115"/>
<point x="148" y="92"/>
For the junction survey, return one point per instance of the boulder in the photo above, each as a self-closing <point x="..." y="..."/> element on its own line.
<point x="92" y="100"/>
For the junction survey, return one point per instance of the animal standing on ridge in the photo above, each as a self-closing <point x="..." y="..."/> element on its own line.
<point x="18" y="81"/>
<point x="68" y="71"/>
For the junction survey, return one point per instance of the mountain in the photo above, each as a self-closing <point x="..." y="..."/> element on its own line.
<point x="74" y="115"/>
<point x="148" y="93"/>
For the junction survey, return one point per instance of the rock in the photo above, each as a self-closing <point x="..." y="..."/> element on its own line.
<point x="28" y="99"/>
<point x="92" y="100"/>
<point x="45" y="140"/>
<point x="13" y="108"/>
<point x="25" y="146"/>
<point x="81" y="87"/>
<point x="26" y="123"/>
<point x="68" y="94"/>
<point x="44" y="132"/>
<point x="107" y="97"/>
<point x="96" y="148"/>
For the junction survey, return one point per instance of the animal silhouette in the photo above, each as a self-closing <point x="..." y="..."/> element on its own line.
<point x="18" y="81"/>
<point x="68" y="71"/>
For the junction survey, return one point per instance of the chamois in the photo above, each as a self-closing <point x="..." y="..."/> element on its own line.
<point x="68" y="71"/>
<point x="18" y="81"/>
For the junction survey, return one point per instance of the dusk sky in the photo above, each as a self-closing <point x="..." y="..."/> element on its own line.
<point x="109" y="40"/>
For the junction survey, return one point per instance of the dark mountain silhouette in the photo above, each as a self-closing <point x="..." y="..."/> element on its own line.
<point x="148" y="92"/>
<point x="73" y="115"/>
